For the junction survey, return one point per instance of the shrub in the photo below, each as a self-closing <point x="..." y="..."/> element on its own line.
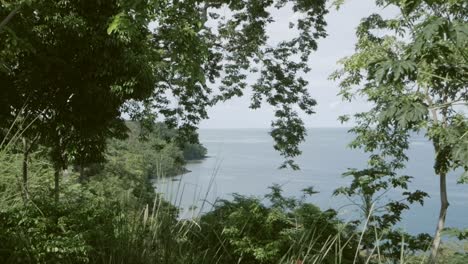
<point x="288" y="230"/>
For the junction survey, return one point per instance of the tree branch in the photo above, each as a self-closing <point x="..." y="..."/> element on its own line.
<point x="9" y="17"/>
<point x="431" y="105"/>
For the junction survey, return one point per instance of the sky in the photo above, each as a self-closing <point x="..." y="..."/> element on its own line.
<point x="340" y="43"/>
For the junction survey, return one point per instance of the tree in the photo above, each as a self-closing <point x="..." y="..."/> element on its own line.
<point x="76" y="63"/>
<point x="73" y="76"/>
<point x="201" y="48"/>
<point x="379" y="214"/>
<point x="413" y="70"/>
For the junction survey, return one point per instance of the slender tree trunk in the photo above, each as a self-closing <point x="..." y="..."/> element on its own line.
<point x="57" y="184"/>
<point x="9" y="17"/>
<point x="444" y="204"/>
<point x="25" y="168"/>
<point x="60" y="164"/>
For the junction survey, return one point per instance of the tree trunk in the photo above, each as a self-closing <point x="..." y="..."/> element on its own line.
<point x="25" y="168"/>
<point x="9" y="17"/>
<point x="444" y="204"/>
<point x="57" y="184"/>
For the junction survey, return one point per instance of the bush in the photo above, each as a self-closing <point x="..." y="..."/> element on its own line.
<point x="105" y="220"/>
<point x="288" y="230"/>
<point x="194" y="152"/>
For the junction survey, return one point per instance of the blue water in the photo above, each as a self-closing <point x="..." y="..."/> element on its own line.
<point x="243" y="161"/>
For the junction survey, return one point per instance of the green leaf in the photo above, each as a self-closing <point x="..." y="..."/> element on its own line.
<point x="463" y="178"/>
<point x="116" y="22"/>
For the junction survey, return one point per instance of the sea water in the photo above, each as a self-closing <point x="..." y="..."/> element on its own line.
<point x="243" y="161"/>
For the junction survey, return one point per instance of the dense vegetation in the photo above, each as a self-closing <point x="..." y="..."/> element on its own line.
<point x="115" y="216"/>
<point x="152" y="150"/>
<point x="76" y="177"/>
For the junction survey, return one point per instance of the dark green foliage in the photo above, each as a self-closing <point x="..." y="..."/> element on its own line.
<point x="66" y="70"/>
<point x="284" y="230"/>
<point x="115" y="217"/>
<point x="77" y="63"/>
<point x="28" y="236"/>
<point x="151" y="154"/>
<point x="379" y="215"/>
<point x="103" y="221"/>
<point x="194" y="152"/>
<point x="70" y="69"/>
<point x="205" y="58"/>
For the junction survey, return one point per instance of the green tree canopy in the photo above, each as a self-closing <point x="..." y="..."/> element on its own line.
<point x="64" y="68"/>
<point x="413" y="70"/>
<point x="76" y="63"/>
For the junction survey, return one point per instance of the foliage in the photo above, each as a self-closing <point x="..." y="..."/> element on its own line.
<point x="202" y="47"/>
<point x="368" y="191"/>
<point x="288" y="230"/>
<point x="80" y="64"/>
<point x="103" y="221"/>
<point x="146" y="130"/>
<point x="63" y="70"/>
<point x="194" y="151"/>
<point x="69" y="70"/>
<point x="155" y="155"/>
<point x="408" y="81"/>
<point x="412" y="70"/>
<point x="115" y="217"/>
<point x="450" y="253"/>
<point x="460" y="234"/>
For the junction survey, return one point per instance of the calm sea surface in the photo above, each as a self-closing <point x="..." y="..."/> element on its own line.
<point x="243" y="161"/>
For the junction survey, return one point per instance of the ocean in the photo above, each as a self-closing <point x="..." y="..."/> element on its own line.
<point x="243" y="161"/>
